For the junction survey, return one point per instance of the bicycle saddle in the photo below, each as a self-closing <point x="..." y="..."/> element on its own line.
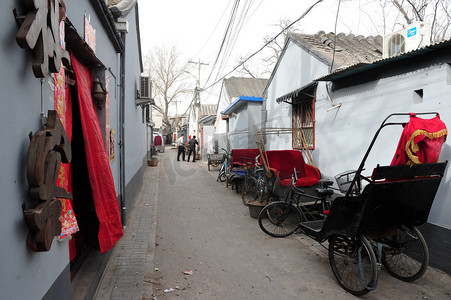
<point x="324" y="192"/>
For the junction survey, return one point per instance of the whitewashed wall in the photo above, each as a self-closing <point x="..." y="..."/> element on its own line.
<point x="223" y="102"/>
<point x="296" y="69"/>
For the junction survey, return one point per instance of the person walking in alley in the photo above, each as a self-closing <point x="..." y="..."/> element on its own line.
<point x="192" y="148"/>
<point x="180" y="148"/>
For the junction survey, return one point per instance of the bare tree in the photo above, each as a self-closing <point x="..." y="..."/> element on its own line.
<point x="169" y="80"/>
<point x="271" y="55"/>
<point x="435" y="12"/>
<point x="276" y="46"/>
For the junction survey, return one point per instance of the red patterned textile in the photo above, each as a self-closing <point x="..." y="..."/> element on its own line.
<point x="100" y="176"/>
<point x="63" y="105"/>
<point x="421" y="141"/>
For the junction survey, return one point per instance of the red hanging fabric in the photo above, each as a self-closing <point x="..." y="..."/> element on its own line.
<point x="100" y="176"/>
<point x="63" y="105"/>
<point x="421" y="141"/>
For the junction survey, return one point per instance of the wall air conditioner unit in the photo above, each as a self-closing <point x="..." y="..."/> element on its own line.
<point x="144" y="94"/>
<point x="411" y="37"/>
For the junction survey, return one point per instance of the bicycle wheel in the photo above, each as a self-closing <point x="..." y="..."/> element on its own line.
<point x="353" y="263"/>
<point x="249" y="190"/>
<point x="406" y="255"/>
<point x="279" y="219"/>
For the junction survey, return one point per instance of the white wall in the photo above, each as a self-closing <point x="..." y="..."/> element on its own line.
<point x="296" y="69"/>
<point x="135" y="128"/>
<point x="223" y="102"/>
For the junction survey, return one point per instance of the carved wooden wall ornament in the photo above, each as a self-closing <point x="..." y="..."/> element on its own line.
<point x="40" y="32"/>
<point x="48" y="148"/>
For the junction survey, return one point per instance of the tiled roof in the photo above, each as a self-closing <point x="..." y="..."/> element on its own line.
<point x="429" y="50"/>
<point x="207" y="110"/>
<point x="113" y="2"/>
<point x="121" y="7"/>
<point x="349" y="49"/>
<point x="240" y="86"/>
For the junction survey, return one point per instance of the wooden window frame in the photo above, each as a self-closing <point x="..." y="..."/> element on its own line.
<point x="302" y="110"/>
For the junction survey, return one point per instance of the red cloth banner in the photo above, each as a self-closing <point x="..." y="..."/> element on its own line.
<point x="63" y="105"/>
<point x="100" y="176"/>
<point x="421" y="141"/>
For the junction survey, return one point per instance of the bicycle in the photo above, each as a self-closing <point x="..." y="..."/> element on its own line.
<point x="257" y="186"/>
<point x="224" y="171"/>
<point x="283" y="218"/>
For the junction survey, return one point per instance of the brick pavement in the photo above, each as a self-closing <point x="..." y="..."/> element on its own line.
<point x="127" y="273"/>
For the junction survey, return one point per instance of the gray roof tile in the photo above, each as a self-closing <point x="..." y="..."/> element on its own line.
<point x="349" y="49"/>
<point x="241" y="86"/>
<point x="207" y="110"/>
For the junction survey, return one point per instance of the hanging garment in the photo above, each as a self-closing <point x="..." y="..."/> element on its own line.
<point x="421" y="141"/>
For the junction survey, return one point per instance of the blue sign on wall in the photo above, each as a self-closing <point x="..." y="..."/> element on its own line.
<point x="411" y="32"/>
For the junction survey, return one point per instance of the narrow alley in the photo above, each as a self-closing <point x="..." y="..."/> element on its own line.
<point x="189" y="237"/>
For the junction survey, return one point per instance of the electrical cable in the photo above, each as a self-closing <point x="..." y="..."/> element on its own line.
<point x="266" y="44"/>
<point x="234" y="37"/>
<point x="334" y="105"/>
<point x="226" y="34"/>
<point x="217" y="24"/>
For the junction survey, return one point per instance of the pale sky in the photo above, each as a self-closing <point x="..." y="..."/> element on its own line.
<point x="197" y="27"/>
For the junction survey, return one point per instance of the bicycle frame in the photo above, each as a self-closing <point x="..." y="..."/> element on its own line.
<point x="294" y="197"/>
<point x="224" y="171"/>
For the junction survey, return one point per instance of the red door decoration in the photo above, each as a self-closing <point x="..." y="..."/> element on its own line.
<point x="63" y="106"/>
<point x="48" y="148"/>
<point x="100" y="176"/>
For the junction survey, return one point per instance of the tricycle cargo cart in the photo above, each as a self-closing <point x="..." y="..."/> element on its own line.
<point x="215" y="160"/>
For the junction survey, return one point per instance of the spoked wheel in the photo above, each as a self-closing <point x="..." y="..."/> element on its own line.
<point x="222" y="176"/>
<point x="279" y="219"/>
<point x="249" y="191"/>
<point x="405" y="255"/>
<point x="353" y="263"/>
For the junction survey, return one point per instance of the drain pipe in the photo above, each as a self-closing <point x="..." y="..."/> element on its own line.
<point x="43" y="118"/>
<point x="123" y="203"/>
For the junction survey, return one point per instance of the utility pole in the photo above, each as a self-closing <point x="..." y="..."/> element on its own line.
<point x="197" y="91"/>
<point x="176" y="119"/>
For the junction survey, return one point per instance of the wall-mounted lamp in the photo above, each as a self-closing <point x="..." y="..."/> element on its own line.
<point x="98" y="93"/>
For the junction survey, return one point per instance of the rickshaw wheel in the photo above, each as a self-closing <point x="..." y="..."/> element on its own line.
<point x="353" y="263"/>
<point x="279" y="219"/>
<point x="406" y="255"/>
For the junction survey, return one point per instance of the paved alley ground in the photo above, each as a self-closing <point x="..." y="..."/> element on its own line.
<point x="190" y="237"/>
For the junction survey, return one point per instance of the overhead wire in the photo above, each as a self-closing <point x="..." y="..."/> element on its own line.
<point x="234" y="37"/>
<point x="264" y="46"/>
<point x="216" y="27"/>
<point x="226" y="35"/>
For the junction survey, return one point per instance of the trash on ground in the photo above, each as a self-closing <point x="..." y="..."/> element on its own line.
<point x="188" y="272"/>
<point x="156" y="269"/>
<point x="168" y="290"/>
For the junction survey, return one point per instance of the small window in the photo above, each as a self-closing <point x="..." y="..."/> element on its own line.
<point x="304" y="120"/>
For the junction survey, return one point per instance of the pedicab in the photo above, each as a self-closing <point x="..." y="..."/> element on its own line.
<point x="375" y="223"/>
